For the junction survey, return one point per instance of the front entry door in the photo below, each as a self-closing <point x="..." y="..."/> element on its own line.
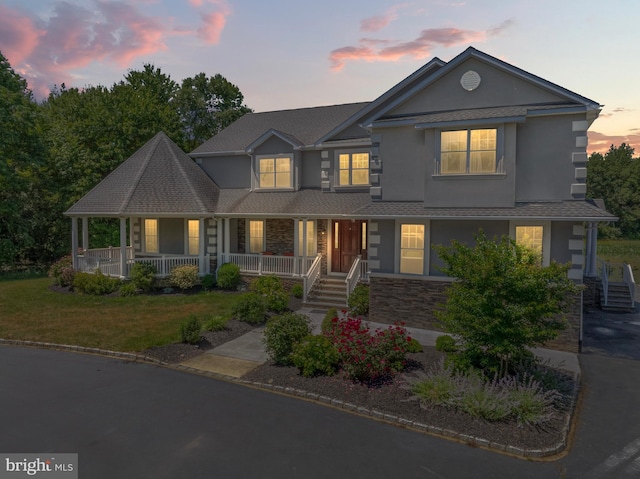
<point x="349" y="241"/>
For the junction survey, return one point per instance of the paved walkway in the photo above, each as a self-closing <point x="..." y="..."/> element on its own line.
<point x="236" y="358"/>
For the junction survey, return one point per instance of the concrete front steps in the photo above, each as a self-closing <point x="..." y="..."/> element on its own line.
<point x="618" y="299"/>
<point x="327" y="293"/>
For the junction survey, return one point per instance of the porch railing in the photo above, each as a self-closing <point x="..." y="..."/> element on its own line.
<point x="312" y="276"/>
<point x="354" y="275"/>
<point x="627" y="278"/>
<point x="107" y="253"/>
<point x="616" y="273"/>
<point x="269" y="264"/>
<point x="108" y="262"/>
<point x="165" y="264"/>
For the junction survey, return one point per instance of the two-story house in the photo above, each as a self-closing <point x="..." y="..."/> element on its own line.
<point x="363" y="190"/>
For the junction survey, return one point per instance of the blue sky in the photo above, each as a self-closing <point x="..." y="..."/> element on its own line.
<point x="292" y="54"/>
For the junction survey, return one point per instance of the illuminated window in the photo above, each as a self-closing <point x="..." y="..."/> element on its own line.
<point x="311" y="237"/>
<point x="193" y="239"/>
<point x="256" y="236"/>
<point x="412" y="249"/>
<point x="151" y="235"/>
<point x="468" y="151"/>
<point x="353" y="169"/>
<point x="531" y="237"/>
<point x="275" y="172"/>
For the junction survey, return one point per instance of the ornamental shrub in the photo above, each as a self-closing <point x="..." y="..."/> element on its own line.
<point x="271" y="289"/>
<point x="184" y="277"/>
<point x="365" y="356"/>
<point x="446" y="344"/>
<point x="358" y="301"/>
<point x="229" y="276"/>
<point x="127" y="289"/>
<point x="190" y="330"/>
<point x="251" y="308"/>
<point x="62" y="272"/>
<point x="95" y="283"/>
<point x="282" y="333"/>
<point x="414" y="346"/>
<point x="215" y="323"/>
<point x="143" y="276"/>
<point x="315" y="356"/>
<point x="208" y="282"/>
<point x="327" y="322"/>
<point x="297" y="291"/>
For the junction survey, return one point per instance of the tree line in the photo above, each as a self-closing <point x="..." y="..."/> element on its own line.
<point x="54" y="151"/>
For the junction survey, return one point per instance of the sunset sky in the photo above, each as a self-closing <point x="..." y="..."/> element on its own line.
<point x="296" y="53"/>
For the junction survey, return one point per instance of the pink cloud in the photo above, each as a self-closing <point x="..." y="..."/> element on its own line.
<point x="374" y="24"/>
<point x="47" y="51"/>
<point x="419" y="48"/>
<point x="600" y="143"/>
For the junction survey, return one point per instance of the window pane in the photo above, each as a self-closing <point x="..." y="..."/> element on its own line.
<point x="412" y="249"/>
<point x="193" y="227"/>
<point x="453" y="140"/>
<point x="483" y="139"/>
<point x="256" y="236"/>
<point x="453" y="163"/>
<point x="530" y="236"/>
<point x="151" y="235"/>
<point x="344" y="177"/>
<point x="283" y="180"/>
<point x="412" y="262"/>
<point x="364" y="235"/>
<point x="275" y="172"/>
<point x="344" y="162"/>
<point x="311" y="238"/>
<point x="360" y="177"/>
<point x="360" y="160"/>
<point x="482" y="162"/>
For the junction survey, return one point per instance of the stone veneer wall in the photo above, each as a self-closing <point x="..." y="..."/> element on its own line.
<point x="414" y="302"/>
<point x="591" y="295"/>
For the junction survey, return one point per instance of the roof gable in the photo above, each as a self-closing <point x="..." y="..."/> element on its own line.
<point x="157" y="179"/>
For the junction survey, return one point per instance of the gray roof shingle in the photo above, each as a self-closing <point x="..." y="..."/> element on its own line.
<point x="158" y="179"/>
<point x="305" y="125"/>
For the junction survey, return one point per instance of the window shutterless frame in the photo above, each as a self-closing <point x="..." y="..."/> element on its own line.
<point x="470" y="151"/>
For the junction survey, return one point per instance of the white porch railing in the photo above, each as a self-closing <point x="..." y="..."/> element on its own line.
<point x="616" y="273"/>
<point x="312" y="276"/>
<point x="627" y="278"/>
<point x="164" y="264"/>
<point x="269" y="264"/>
<point x="355" y="275"/>
<point x="107" y="253"/>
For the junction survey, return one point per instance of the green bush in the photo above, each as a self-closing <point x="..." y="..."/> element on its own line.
<point x="190" y="330"/>
<point x="62" y="272"/>
<point x="208" y="282"/>
<point x="282" y="333"/>
<point x="271" y="289"/>
<point x="315" y="355"/>
<point x="359" y="300"/>
<point x="215" y="323"/>
<point x="446" y="344"/>
<point x="297" y="291"/>
<point x="327" y="322"/>
<point x="229" y="276"/>
<point x="143" y="276"/>
<point x="250" y="308"/>
<point x="184" y="277"/>
<point x="127" y="289"/>
<point x="414" y="346"/>
<point x="95" y="284"/>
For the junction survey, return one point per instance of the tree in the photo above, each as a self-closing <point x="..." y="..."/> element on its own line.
<point x="615" y="178"/>
<point x="502" y="301"/>
<point x="208" y="105"/>
<point x="21" y="151"/>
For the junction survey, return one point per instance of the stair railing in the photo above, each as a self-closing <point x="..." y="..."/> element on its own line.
<point x="309" y="279"/>
<point x="605" y="281"/>
<point x="355" y="273"/>
<point x="627" y="277"/>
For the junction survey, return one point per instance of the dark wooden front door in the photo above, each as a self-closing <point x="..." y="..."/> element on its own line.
<point x="348" y="241"/>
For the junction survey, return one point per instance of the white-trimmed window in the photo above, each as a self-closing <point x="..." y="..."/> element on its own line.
<point x="472" y="151"/>
<point x="151" y="235"/>
<point x="534" y="235"/>
<point x="275" y="171"/>
<point x="255" y="242"/>
<point x="353" y="168"/>
<point x="311" y="237"/>
<point x="412" y="241"/>
<point x="193" y="237"/>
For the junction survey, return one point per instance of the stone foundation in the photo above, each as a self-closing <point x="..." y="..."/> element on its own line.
<point x="415" y="301"/>
<point x="591" y="294"/>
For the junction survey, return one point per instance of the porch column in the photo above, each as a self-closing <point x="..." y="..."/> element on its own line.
<point x="592" y="240"/>
<point x="201" y="246"/>
<point x="85" y="233"/>
<point x="74" y="242"/>
<point x="304" y="245"/>
<point x="123" y="247"/>
<point x="227" y="235"/>
<point x="219" y="242"/>
<point x="296" y="242"/>
<point x="132" y="239"/>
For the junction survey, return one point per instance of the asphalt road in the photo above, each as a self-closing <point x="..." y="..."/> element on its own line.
<point x="128" y="420"/>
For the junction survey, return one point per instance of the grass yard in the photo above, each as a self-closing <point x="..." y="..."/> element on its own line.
<point x="619" y="251"/>
<point x="29" y="310"/>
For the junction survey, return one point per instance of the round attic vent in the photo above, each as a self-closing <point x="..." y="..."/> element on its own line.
<point x="470" y="80"/>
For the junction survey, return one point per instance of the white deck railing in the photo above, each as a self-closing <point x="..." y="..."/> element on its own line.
<point x="359" y="272"/>
<point x="627" y="277"/>
<point x="312" y="276"/>
<point x="268" y="264"/>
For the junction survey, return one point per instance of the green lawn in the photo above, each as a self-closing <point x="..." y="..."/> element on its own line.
<point x="29" y="310"/>
<point x="621" y="251"/>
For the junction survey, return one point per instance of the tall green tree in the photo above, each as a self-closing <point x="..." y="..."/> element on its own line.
<point x="207" y="105"/>
<point x="21" y="151"/>
<point x="615" y="178"/>
<point x="502" y="301"/>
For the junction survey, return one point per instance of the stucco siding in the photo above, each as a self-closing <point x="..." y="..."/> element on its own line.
<point x="229" y="172"/>
<point x="404" y="158"/>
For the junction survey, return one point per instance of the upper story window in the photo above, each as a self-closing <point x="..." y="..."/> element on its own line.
<point x="275" y="172"/>
<point x="353" y="169"/>
<point x="469" y="151"/>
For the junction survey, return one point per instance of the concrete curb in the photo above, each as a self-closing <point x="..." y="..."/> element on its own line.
<point x="530" y="454"/>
